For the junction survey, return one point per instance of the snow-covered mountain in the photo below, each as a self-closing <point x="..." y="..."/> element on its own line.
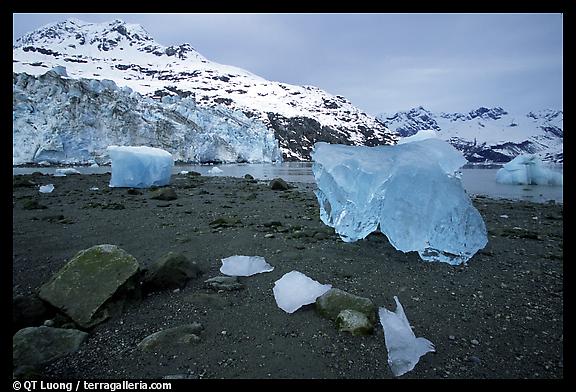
<point x="488" y="134"/>
<point x="129" y="56"/>
<point x="62" y="120"/>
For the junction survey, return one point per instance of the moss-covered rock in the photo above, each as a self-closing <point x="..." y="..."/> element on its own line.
<point x="354" y="322"/>
<point x="36" y="346"/>
<point x="166" y="193"/>
<point x="331" y="303"/>
<point x="88" y="281"/>
<point x="279" y="184"/>
<point x="169" y="338"/>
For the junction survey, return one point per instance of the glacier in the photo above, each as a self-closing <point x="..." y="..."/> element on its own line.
<point x="139" y="166"/>
<point x="411" y="192"/>
<point x="72" y="121"/>
<point x="404" y="348"/>
<point x="528" y="169"/>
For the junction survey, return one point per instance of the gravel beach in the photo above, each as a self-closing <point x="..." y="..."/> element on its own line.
<point x="499" y="316"/>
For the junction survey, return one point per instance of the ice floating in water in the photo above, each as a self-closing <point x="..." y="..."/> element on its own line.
<point x="294" y="290"/>
<point x="404" y="348"/>
<point x="64" y="171"/>
<point x="46" y="188"/>
<point x="140" y="167"/>
<point x="411" y="192"/>
<point x="244" y="265"/>
<point x="215" y="170"/>
<point x="527" y="169"/>
<point x="421" y="135"/>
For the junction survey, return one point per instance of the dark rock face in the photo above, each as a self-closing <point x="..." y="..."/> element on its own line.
<point x="36" y="346"/>
<point x="172" y="271"/>
<point x="28" y="311"/>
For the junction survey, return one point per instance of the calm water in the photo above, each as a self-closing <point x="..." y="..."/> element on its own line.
<point x="476" y="181"/>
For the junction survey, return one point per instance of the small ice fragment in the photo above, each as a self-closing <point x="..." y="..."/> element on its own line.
<point x="94" y="188"/>
<point x="404" y="348"/>
<point x="67" y="170"/>
<point x="184" y="172"/>
<point x="295" y="289"/>
<point x="46" y="188"/>
<point x="215" y="170"/>
<point x="503" y="216"/>
<point x="244" y="265"/>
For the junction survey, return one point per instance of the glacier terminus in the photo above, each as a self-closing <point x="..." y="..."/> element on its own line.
<point x="411" y="192"/>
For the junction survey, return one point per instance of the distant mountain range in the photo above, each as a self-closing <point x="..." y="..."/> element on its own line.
<point x="169" y="81"/>
<point x="488" y="134"/>
<point x="129" y="56"/>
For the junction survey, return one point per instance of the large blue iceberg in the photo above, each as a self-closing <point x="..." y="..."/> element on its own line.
<point x="411" y="192"/>
<point x="528" y="169"/>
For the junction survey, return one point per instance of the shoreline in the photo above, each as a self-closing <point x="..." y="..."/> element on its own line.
<point x="498" y="316"/>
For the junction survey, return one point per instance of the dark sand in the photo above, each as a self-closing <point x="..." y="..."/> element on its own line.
<point x="500" y="316"/>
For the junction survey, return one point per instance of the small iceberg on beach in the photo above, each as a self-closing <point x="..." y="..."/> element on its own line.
<point x="140" y="166"/>
<point x="528" y="169"/>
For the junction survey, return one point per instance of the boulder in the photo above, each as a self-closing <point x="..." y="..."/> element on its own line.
<point x="166" y="193"/>
<point x="354" y="322"/>
<point x="169" y="338"/>
<point x="171" y="271"/>
<point x="88" y="281"/>
<point x="28" y="311"/>
<point x="36" y="346"/>
<point x="331" y="303"/>
<point x="279" y="184"/>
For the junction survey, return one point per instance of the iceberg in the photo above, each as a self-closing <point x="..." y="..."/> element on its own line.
<point x="244" y="265"/>
<point x="528" y="169"/>
<point x="404" y="348"/>
<point x="48" y="188"/>
<point x="139" y="166"/>
<point x="294" y="290"/>
<point x="411" y="192"/>
<point x="215" y="171"/>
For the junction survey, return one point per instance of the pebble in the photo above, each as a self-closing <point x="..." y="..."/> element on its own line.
<point x="473" y="359"/>
<point x="474" y="342"/>
<point x="451" y="337"/>
<point x="268" y="235"/>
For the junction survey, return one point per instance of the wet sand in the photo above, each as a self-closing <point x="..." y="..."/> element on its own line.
<point x="499" y="316"/>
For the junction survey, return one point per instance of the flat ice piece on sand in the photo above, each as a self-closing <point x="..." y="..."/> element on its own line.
<point x="404" y="348"/>
<point x="411" y="192"/>
<point x="139" y="166"/>
<point x="294" y="290"/>
<point x="215" y="170"/>
<point x="528" y="169"/>
<point x="244" y="265"/>
<point x="46" y="188"/>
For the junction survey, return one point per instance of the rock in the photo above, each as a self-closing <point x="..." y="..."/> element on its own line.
<point x="171" y="271"/>
<point x="133" y="191"/>
<point x="193" y="173"/>
<point x="22" y="181"/>
<point x="331" y="303"/>
<point x="354" y="322"/>
<point x="35" y="346"/>
<point x="179" y="377"/>
<point x="474" y="342"/>
<point x="248" y="176"/>
<point x="26" y="372"/>
<point x="168" y="338"/>
<point x="225" y="222"/>
<point x="90" y="279"/>
<point x="165" y="193"/>
<point x="279" y="184"/>
<point x="224" y="283"/>
<point x="28" y="311"/>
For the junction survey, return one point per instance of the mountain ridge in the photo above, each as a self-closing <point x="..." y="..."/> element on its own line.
<point x="129" y="56"/>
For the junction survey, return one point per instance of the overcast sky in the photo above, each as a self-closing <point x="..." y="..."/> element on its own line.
<point x="380" y="62"/>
